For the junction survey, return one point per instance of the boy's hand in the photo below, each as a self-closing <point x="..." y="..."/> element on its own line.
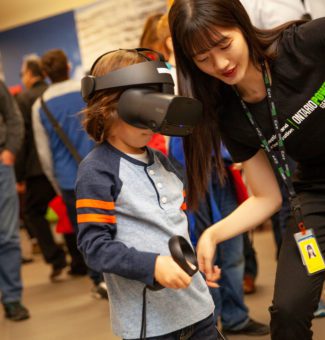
<point x="169" y="274"/>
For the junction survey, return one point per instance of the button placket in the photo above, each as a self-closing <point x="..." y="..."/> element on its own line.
<point x="159" y="187"/>
<point x="164" y="200"/>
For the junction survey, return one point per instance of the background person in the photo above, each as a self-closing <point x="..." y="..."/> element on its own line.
<point x="38" y="190"/>
<point x="11" y="134"/>
<point x="63" y="99"/>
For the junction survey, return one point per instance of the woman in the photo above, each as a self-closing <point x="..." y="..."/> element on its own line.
<point x="242" y="74"/>
<point x="310" y="251"/>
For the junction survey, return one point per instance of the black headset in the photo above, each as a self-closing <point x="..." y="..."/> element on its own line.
<point x="147" y="100"/>
<point x="137" y="75"/>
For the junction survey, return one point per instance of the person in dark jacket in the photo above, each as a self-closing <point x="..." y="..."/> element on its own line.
<point x="38" y="189"/>
<point x="63" y="99"/>
<point x="11" y="133"/>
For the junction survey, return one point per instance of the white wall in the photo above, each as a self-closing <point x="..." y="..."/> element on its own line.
<point x="19" y="12"/>
<point x="317" y="8"/>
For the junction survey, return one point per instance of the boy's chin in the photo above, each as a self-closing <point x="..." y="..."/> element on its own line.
<point x="139" y="146"/>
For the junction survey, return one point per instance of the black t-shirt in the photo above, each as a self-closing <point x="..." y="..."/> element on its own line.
<point x="298" y="90"/>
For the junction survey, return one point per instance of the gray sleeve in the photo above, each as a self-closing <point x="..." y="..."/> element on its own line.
<point x="12" y="121"/>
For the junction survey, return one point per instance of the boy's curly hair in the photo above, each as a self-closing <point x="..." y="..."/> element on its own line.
<point x="101" y="111"/>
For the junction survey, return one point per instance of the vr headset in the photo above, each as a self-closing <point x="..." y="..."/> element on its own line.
<point x="148" y="99"/>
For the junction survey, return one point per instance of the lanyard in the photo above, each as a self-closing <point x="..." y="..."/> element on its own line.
<point x="281" y="164"/>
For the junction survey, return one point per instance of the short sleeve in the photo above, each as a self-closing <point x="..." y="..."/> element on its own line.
<point x="236" y="132"/>
<point x="238" y="151"/>
<point x="307" y="39"/>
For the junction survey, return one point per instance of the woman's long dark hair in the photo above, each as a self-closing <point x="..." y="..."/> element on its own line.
<point x="193" y="25"/>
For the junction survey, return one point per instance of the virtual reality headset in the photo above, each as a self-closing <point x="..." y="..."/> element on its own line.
<point x="148" y="99"/>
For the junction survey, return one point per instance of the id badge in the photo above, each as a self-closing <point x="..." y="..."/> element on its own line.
<point x="310" y="253"/>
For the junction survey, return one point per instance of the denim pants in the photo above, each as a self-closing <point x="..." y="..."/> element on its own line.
<point x="202" y="330"/>
<point x="10" y="254"/>
<point x="251" y="265"/>
<point x="229" y="298"/>
<point x="69" y="199"/>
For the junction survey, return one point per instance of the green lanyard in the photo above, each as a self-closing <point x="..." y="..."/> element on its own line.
<point x="281" y="165"/>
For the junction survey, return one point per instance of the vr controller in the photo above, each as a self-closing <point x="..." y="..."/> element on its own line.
<point x="183" y="254"/>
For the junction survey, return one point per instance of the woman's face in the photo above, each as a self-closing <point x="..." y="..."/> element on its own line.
<point x="228" y="61"/>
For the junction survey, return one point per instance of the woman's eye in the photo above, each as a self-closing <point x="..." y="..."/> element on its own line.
<point x="225" y="47"/>
<point x="202" y="59"/>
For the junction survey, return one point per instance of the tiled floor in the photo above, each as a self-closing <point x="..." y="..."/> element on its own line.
<point x="66" y="310"/>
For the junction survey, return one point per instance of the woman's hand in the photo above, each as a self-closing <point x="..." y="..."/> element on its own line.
<point x="206" y="250"/>
<point x="169" y="274"/>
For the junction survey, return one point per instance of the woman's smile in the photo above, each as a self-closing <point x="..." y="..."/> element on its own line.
<point x="230" y="72"/>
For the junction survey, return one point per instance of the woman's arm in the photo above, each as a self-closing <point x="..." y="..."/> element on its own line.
<point x="264" y="202"/>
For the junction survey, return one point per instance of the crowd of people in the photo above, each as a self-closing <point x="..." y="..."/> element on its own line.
<point x="252" y="68"/>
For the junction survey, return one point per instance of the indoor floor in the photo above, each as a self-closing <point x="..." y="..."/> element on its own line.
<point x="67" y="311"/>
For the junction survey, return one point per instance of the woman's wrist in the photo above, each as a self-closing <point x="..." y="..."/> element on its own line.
<point x="215" y="233"/>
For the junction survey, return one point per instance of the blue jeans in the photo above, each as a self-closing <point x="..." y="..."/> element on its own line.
<point x="251" y="265"/>
<point x="10" y="255"/>
<point x="229" y="298"/>
<point x="202" y="330"/>
<point x="69" y="199"/>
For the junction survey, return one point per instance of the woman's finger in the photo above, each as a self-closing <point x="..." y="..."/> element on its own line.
<point x="212" y="284"/>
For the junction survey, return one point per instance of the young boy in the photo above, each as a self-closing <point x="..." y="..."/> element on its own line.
<point x="130" y="202"/>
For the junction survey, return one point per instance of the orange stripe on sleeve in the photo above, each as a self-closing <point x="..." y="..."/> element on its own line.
<point x="184" y="206"/>
<point x="84" y="218"/>
<point x="89" y="203"/>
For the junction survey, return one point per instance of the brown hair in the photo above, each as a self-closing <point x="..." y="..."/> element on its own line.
<point x="193" y="25"/>
<point x="163" y="32"/>
<point x="101" y="111"/>
<point x="149" y="33"/>
<point x="55" y="65"/>
<point x="33" y="64"/>
<point x="150" y="36"/>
